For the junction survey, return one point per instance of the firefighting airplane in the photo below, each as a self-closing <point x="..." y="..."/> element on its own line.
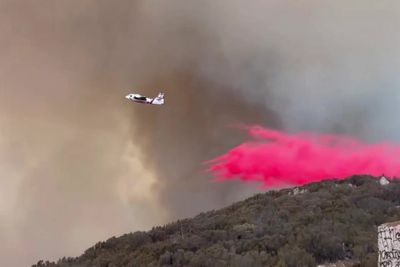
<point x="158" y="100"/>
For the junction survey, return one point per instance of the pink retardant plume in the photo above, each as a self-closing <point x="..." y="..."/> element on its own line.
<point x="276" y="158"/>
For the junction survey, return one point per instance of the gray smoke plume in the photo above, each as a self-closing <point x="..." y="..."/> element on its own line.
<point x="80" y="163"/>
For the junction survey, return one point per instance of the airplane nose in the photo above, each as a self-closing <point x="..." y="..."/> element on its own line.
<point x="127" y="96"/>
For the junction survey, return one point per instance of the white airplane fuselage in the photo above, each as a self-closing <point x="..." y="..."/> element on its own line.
<point x="159" y="100"/>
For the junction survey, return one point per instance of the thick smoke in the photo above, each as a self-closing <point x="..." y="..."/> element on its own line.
<point x="80" y="164"/>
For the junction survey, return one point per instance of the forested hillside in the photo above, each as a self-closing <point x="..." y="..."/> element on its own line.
<point x="306" y="226"/>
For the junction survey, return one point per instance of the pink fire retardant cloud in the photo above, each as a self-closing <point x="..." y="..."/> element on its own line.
<point x="275" y="158"/>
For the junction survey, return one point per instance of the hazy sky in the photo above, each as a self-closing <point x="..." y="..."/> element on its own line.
<point x="79" y="163"/>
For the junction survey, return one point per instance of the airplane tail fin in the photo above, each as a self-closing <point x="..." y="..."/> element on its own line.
<point x="159" y="100"/>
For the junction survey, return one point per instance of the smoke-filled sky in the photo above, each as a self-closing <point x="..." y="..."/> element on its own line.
<point x="80" y="164"/>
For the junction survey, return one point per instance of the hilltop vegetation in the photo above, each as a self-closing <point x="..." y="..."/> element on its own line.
<point x="306" y="226"/>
